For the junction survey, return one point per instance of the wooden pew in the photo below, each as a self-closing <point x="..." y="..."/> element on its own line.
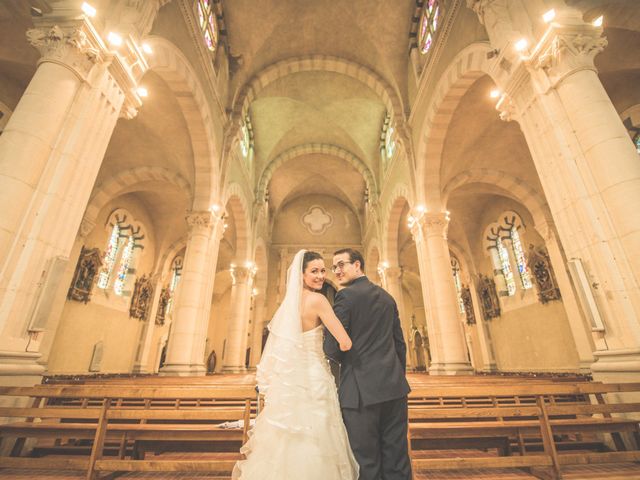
<point x="158" y="419"/>
<point x="447" y="419"/>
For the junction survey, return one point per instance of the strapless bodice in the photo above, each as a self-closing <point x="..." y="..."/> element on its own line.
<point x="312" y="340"/>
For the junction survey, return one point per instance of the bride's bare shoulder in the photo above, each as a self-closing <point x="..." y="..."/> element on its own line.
<point x="316" y="299"/>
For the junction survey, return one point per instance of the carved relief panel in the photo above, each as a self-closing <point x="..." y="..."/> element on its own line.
<point x="142" y="298"/>
<point x="488" y="297"/>
<point x="84" y="277"/>
<point x="540" y="265"/>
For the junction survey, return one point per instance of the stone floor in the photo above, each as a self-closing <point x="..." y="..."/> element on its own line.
<point x="590" y="472"/>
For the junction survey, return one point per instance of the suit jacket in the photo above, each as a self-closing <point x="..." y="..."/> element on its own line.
<point x="373" y="371"/>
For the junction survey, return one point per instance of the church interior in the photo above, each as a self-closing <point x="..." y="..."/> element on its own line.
<point x="162" y="161"/>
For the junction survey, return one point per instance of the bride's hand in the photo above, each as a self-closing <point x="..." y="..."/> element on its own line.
<point x="346" y="345"/>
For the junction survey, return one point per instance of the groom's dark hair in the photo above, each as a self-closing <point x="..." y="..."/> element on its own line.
<point x="354" y="256"/>
<point x="309" y="256"/>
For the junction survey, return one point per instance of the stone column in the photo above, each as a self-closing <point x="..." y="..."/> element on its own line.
<point x="259" y="309"/>
<point x="446" y="334"/>
<point x="185" y="351"/>
<point x="50" y="154"/>
<point x="141" y="362"/>
<point x="579" y="328"/>
<point x="236" y="350"/>
<point x="484" y="336"/>
<point x="587" y="166"/>
<point x="393" y="284"/>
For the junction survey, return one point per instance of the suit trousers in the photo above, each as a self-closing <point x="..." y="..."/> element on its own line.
<point x="378" y="438"/>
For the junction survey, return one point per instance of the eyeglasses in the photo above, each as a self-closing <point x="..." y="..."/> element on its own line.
<point x="339" y="266"/>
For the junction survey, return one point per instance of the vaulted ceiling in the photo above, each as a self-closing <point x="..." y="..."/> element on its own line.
<point x="320" y="105"/>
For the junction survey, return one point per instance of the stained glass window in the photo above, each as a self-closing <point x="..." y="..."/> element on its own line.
<point x="428" y="25"/>
<point x="176" y="273"/>
<point x="207" y="21"/>
<point x="245" y="141"/>
<point x="110" y="256"/>
<point x="389" y="142"/>
<point x="125" y="261"/>
<point x="505" y="265"/>
<point x="636" y="142"/>
<point x="521" y="259"/>
<point x="455" y="268"/>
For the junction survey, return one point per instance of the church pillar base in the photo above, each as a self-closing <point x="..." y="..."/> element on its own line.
<point x="234" y="369"/>
<point x="616" y="365"/>
<point x="489" y="368"/>
<point x="450" y="369"/>
<point x="138" y="368"/>
<point x="20" y="368"/>
<point x="183" y="370"/>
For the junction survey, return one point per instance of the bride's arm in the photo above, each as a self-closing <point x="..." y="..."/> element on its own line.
<point x="333" y="324"/>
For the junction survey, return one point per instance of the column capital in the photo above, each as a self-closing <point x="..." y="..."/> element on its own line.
<point x="241" y="275"/>
<point x="569" y="46"/>
<point x="72" y="41"/>
<point x="200" y="220"/>
<point x="496" y="17"/>
<point x="393" y="273"/>
<point x="86" y="227"/>
<point x="73" y="44"/>
<point x="507" y="108"/>
<point x="432" y="224"/>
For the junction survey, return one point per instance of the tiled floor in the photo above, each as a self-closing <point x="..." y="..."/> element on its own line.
<point x="590" y="472"/>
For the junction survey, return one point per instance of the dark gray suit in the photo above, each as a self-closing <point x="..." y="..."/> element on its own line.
<point x="373" y="387"/>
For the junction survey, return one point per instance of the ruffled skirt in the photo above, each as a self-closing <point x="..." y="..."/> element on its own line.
<point x="300" y="434"/>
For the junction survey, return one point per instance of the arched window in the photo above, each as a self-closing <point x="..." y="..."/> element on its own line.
<point x="125" y="236"/>
<point x="125" y="263"/>
<point x="505" y="266"/>
<point x="503" y="241"/>
<point x="387" y="140"/>
<point x="636" y="142"/>
<point x="110" y="255"/>
<point x="207" y="21"/>
<point x="176" y="273"/>
<point x="521" y="259"/>
<point x="245" y="141"/>
<point x="428" y="25"/>
<point x="455" y="269"/>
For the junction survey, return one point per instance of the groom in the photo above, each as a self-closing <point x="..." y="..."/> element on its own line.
<point x="373" y="388"/>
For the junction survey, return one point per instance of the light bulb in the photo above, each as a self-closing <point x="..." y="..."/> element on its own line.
<point x="88" y="10"/>
<point x="521" y="45"/>
<point x="549" y="16"/>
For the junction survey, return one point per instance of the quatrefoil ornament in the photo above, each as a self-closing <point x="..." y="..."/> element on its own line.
<point x="317" y="220"/>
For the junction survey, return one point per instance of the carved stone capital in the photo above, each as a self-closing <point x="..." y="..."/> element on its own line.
<point x="393" y="273"/>
<point x="434" y="224"/>
<point x="71" y="46"/>
<point x="507" y="108"/>
<point x="495" y="16"/>
<point x="202" y="220"/>
<point x="569" y="49"/>
<point x="86" y="227"/>
<point x="241" y="275"/>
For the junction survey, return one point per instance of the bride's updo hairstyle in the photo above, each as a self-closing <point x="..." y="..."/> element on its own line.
<point x="309" y="257"/>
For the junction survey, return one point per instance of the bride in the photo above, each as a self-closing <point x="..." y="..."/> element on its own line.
<point x="299" y="434"/>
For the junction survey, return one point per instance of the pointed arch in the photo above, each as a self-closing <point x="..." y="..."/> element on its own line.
<point x="127" y="181"/>
<point x="236" y="201"/>
<point x="315" y="148"/>
<point x="468" y="66"/>
<point x="398" y="199"/>
<point x="175" y="69"/>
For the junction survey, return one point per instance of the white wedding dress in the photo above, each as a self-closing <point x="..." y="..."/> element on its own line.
<point x="299" y="434"/>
